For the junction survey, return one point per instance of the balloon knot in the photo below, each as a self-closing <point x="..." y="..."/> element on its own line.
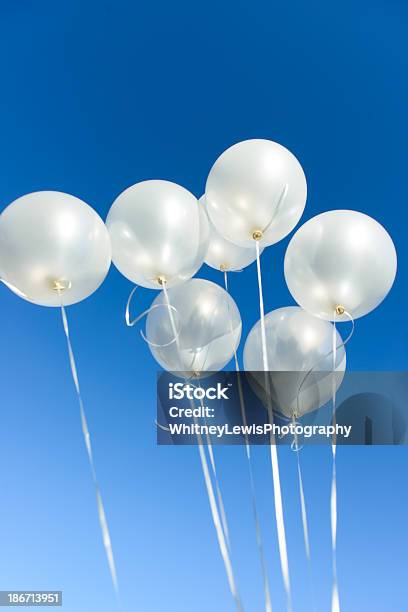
<point x="223" y="267"/>
<point x="340" y="310"/>
<point x="60" y="284"/>
<point x="257" y="234"/>
<point x="161" y="280"/>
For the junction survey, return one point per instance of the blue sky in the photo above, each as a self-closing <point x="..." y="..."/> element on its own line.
<point x="97" y="96"/>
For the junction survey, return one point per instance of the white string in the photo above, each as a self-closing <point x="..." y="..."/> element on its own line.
<point x="221" y="531"/>
<point x="335" y="605"/>
<point x="217" y="485"/>
<point x="280" y="523"/>
<point x="303" y="509"/>
<point x="132" y="322"/>
<point x="258" y="531"/>
<point x="295" y="447"/>
<point x="305" y="529"/>
<point x="87" y="438"/>
<point x="333" y="503"/>
<point x="329" y="354"/>
<point x="281" y="199"/>
<point x="261" y="309"/>
<point x="218" y="526"/>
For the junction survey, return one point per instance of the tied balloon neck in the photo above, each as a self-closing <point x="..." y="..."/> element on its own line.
<point x="257" y="235"/>
<point x="60" y="285"/>
<point x="339" y="310"/>
<point x="162" y="280"/>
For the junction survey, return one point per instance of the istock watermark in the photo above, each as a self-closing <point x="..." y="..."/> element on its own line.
<point x="367" y="408"/>
<point x="293" y="429"/>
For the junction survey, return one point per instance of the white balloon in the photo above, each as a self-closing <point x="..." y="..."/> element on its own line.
<point x="225" y="255"/>
<point x="340" y="258"/>
<point x="208" y="326"/>
<point x="48" y="237"/>
<point x="297" y="343"/>
<point x="256" y="185"/>
<point x="158" y="231"/>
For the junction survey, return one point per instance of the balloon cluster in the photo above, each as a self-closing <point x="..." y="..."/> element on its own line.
<point x="340" y="264"/>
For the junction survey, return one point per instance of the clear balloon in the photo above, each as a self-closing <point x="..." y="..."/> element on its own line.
<point x="207" y="324"/>
<point x="225" y="255"/>
<point x="256" y="186"/>
<point x="50" y="239"/>
<point x="300" y="357"/>
<point x="158" y="231"/>
<point x="340" y="259"/>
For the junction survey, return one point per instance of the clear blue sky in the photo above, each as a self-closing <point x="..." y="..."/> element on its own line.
<point x="97" y="96"/>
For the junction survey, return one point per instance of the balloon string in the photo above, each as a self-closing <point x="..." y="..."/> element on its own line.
<point x="261" y="309"/>
<point x="279" y="203"/>
<point x="170" y="309"/>
<point x="258" y="531"/>
<point x="335" y="605"/>
<point x="333" y="352"/>
<point x="305" y="525"/>
<point x="87" y="438"/>
<point x="303" y="508"/>
<point x="132" y="322"/>
<point x="279" y="516"/>
<point x="220" y="524"/>
<point x="217" y="485"/>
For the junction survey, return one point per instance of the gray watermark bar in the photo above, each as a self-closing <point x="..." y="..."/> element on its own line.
<point x="283" y="407"/>
<point x="30" y="598"/>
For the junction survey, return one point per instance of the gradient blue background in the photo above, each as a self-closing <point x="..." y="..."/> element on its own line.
<point x="96" y="96"/>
